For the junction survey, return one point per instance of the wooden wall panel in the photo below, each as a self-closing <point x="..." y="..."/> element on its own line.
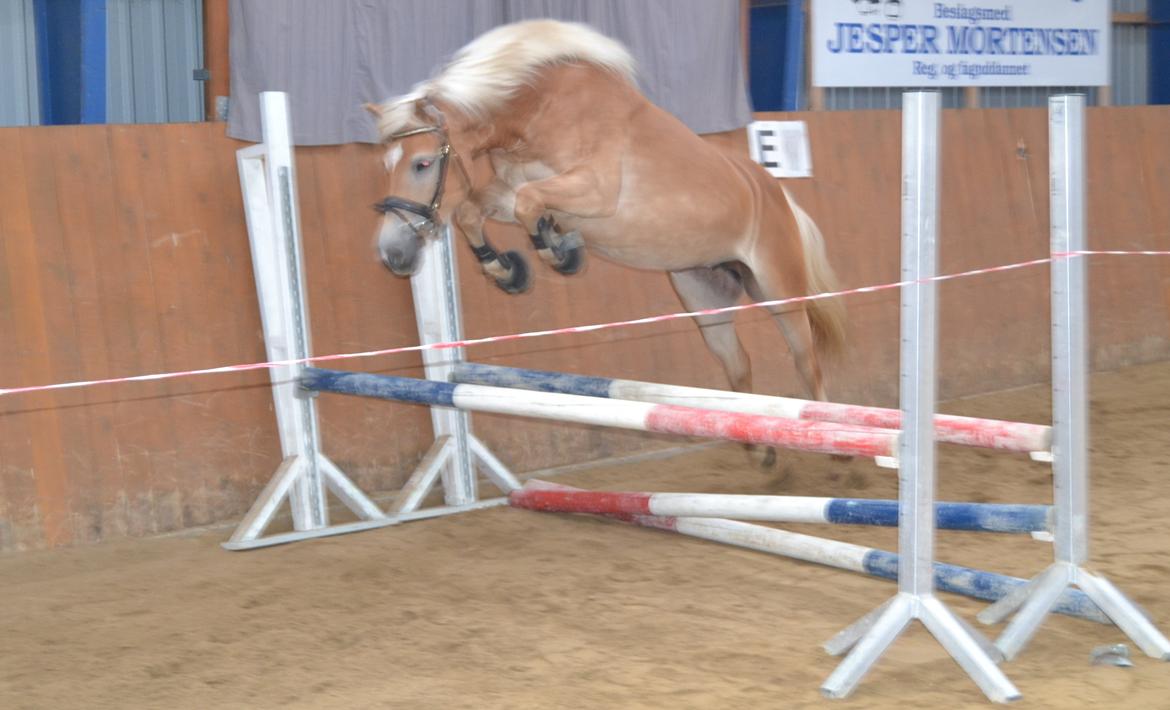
<point x="32" y="468"/>
<point x="994" y="205"/>
<point x="124" y="251"/>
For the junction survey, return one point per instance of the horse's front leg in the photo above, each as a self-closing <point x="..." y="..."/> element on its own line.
<point x="509" y="269"/>
<point x="580" y="192"/>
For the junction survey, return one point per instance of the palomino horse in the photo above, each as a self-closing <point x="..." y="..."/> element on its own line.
<point x="581" y="158"/>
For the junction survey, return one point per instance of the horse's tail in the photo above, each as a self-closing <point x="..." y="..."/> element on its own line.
<point x="826" y="315"/>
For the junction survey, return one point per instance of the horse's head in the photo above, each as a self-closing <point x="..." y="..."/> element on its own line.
<point x="417" y="159"/>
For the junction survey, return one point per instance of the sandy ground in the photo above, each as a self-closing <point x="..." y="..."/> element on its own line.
<point x="511" y="609"/>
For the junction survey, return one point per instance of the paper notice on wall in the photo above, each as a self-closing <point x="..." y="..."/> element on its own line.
<point x="781" y="147"/>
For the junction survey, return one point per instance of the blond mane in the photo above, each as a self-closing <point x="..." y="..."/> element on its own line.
<point x="482" y="76"/>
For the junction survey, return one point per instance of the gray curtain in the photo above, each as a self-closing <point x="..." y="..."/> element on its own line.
<point x="332" y="57"/>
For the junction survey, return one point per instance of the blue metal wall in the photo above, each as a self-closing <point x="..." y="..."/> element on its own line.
<point x="154" y="47"/>
<point x="844" y="97"/>
<point x="1131" y="57"/>
<point x="19" y="103"/>
<point x="115" y="61"/>
<point x="71" y="60"/>
<point x="776" y="48"/>
<point x="1160" y="51"/>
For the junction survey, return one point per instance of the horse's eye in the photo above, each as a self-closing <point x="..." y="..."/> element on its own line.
<point x="421" y="165"/>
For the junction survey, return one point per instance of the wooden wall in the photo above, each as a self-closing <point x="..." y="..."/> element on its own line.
<point x="124" y="252"/>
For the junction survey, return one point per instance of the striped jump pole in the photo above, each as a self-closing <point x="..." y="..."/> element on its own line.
<point x="819" y="437"/>
<point x="987" y="586"/>
<point x="977" y="517"/>
<point x="1035" y="439"/>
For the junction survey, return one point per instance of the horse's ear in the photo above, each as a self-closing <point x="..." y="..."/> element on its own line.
<point x="425" y="109"/>
<point x="375" y="110"/>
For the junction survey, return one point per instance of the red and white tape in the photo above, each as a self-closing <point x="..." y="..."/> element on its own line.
<point x="556" y="331"/>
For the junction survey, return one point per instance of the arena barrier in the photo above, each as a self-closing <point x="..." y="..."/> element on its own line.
<point x="987" y="586"/>
<point x="1035" y="439"/>
<point x="818" y="437"/>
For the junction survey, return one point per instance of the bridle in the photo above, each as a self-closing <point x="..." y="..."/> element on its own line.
<point x="509" y="268"/>
<point x="429" y="212"/>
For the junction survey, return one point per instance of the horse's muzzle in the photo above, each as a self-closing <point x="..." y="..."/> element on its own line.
<point x="400" y="249"/>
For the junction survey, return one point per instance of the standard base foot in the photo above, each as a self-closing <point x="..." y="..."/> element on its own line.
<point x="872" y="635"/>
<point x="1033" y="602"/>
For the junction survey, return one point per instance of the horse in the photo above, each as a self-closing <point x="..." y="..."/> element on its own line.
<point x="582" y="159"/>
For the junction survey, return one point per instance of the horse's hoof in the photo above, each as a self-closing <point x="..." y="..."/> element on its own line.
<point x="767" y="461"/>
<point x="769" y="458"/>
<point x="569" y="261"/>
<point x="519" y="280"/>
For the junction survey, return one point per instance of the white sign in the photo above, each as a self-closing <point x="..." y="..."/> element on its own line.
<point x="976" y="43"/>
<point x="781" y="147"/>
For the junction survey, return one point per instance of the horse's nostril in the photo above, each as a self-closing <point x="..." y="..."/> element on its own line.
<point x="393" y="259"/>
<point x="397" y="260"/>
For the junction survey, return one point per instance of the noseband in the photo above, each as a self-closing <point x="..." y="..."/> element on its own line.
<point x="430" y="213"/>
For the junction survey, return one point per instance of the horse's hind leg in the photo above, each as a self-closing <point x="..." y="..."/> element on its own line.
<point x="797" y="332"/>
<point x="703" y="288"/>
<point x="795" y="325"/>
